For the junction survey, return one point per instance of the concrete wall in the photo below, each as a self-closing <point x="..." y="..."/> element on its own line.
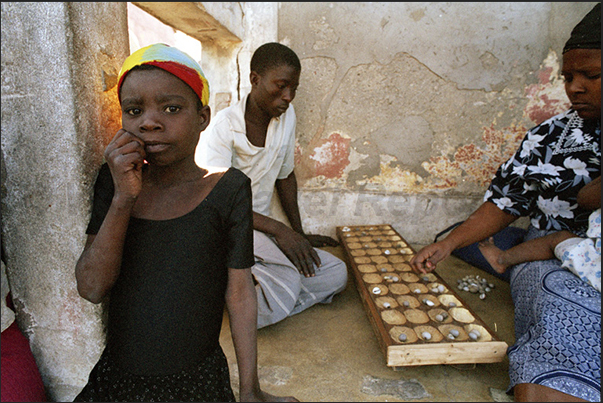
<point x="59" y="110"/>
<point x="405" y="111"/>
<point x="415" y="105"/>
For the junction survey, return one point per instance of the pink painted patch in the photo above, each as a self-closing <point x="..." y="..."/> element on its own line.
<point x="545" y="109"/>
<point x="468" y="154"/>
<point x="331" y="156"/>
<point x="544" y="75"/>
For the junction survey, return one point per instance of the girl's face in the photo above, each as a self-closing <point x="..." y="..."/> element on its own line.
<point x="275" y="89"/>
<point x="163" y="112"/>
<point x="582" y="73"/>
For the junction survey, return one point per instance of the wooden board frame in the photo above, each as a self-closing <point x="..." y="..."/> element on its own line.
<point x="419" y="352"/>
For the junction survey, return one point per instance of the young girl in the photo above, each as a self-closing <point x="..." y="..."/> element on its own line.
<point x="171" y="243"/>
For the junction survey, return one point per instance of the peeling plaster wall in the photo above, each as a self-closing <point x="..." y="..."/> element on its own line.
<point x="418" y="101"/>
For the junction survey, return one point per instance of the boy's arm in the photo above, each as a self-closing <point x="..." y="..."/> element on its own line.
<point x="241" y="302"/>
<point x="294" y="243"/>
<point x="287" y="191"/>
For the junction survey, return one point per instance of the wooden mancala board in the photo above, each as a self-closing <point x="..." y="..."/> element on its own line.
<point x="418" y="319"/>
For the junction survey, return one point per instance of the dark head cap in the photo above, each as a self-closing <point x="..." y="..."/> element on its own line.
<point x="587" y="34"/>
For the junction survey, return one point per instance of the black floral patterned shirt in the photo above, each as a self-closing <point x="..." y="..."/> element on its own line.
<point x="553" y="162"/>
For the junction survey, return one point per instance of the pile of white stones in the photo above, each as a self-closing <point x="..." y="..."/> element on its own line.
<point x="475" y="284"/>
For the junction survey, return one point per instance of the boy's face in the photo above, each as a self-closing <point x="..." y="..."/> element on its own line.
<point x="582" y="73"/>
<point x="163" y="112"/>
<point x="274" y="90"/>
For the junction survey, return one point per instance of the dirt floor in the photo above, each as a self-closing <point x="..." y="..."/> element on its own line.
<point x="330" y="353"/>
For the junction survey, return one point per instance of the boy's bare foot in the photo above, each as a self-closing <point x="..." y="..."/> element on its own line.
<point x="493" y="255"/>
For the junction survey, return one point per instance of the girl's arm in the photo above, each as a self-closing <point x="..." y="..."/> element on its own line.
<point x="241" y="302"/>
<point x="99" y="264"/>
<point x="589" y="196"/>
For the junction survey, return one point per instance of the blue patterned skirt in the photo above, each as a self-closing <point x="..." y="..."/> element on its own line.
<point x="557" y="329"/>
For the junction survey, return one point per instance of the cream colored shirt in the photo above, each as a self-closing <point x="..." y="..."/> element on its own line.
<point x="224" y="144"/>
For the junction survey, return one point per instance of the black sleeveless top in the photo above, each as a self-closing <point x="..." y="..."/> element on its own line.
<point x="166" y="307"/>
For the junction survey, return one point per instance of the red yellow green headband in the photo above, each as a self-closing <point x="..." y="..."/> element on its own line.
<point x="171" y="60"/>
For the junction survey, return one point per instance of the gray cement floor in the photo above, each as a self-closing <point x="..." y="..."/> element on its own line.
<point x="329" y="353"/>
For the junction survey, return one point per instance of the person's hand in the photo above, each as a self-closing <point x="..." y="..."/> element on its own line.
<point x="321" y="240"/>
<point x="261" y="396"/>
<point x="299" y="250"/>
<point x="427" y="258"/>
<point x="125" y="156"/>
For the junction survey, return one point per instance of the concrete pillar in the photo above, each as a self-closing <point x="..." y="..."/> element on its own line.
<point x="59" y="110"/>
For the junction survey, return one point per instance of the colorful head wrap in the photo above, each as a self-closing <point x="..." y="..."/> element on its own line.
<point x="171" y="60"/>
<point x="587" y="34"/>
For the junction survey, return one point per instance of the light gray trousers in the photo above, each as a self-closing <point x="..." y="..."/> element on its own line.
<point x="282" y="290"/>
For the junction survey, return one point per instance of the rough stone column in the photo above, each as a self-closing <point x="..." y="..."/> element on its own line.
<point x="59" y="110"/>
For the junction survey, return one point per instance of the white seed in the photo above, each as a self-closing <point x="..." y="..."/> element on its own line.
<point x="376" y="290"/>
<point x="474" y="334"/>
<point x="454" y="332"/>
<point x="425" y="278"/>
<point x="482" y="296"/>
<point x="406" y="303"/>
<point x="439" y="318"/>
<point x="451" y="336"/>
<point x="452" y="304"/>
<point x="434" y="290"/>
<point x="441" y="288"/>
<point x="402" y="337"/>
<point x="395" y="278"/>
<point x="428" y="302"/>
<point x="386" y="305"/>
<point x="426" y="335"/>
<point x="417" y="291"/>
<point x="387" y="252"/>
<point x="383" y="269"/>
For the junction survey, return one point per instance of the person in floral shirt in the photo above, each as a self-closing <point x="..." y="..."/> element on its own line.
<point x="580" y="255"/>
<point x="557" y="351"/>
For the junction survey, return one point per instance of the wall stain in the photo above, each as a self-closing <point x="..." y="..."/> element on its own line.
<point x="331" y="156"/>
<point x="329" y="161"/>
<point x="547" y="98"/>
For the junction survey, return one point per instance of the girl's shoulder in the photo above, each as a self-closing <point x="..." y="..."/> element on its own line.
<point x="237" y="175"/>
<point x="229" y="175"/>
<point x="227" y="183"/>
